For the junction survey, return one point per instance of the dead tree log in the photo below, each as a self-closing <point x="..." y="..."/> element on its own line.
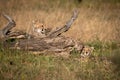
<point x="52" y="42"/>
<point x="6" y="30"/>
<point x="56" y="44"/>
<point x="65" y="28"/>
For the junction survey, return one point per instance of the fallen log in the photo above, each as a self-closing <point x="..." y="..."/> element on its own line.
<point x="6" y="30"/>
<point x="65" y="28"/>
<point x="52" y="42"/>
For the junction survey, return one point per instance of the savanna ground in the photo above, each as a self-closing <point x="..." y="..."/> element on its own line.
<point x="97" y="25"/>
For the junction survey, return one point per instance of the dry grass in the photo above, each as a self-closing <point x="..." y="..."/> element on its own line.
<point x="95" y="20"/>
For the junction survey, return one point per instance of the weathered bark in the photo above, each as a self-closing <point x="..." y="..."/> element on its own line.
<point x="56" y="44"/>
<point x="6" y="30"/>
<point x="65" y="28"/>
<point x="53" y="42"/>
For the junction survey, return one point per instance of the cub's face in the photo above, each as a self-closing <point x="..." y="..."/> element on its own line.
<point x="87" y="51"/>
<point x="38" y="27"/>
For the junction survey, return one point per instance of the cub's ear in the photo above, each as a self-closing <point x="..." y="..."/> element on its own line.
<point x="34" y="21"/>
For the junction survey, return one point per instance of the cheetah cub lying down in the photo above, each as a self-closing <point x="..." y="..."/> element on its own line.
<point x="38" y="29"/>
<point x="87" y="51"/>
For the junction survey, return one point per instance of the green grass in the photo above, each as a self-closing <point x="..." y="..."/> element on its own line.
<point x="22" y="65"/>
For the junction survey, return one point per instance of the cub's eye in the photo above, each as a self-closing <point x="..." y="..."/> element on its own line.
<point x="87" y="53"/>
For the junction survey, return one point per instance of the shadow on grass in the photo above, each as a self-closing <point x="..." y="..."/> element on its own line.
<point x="115" y="58"/>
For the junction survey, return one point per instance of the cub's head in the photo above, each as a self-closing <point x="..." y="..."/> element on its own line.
<point x="38" y="27"/>
<point x="87" y="51"/>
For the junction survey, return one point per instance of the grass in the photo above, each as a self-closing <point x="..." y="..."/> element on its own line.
<point x="23" y="65"/>
<point x="96" y="18"/>
<point x="97" y="25"/>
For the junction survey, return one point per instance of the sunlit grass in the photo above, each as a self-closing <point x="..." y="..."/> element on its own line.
<point x="96" y="18"/>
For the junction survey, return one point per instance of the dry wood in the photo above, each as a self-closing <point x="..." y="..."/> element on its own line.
<point x="56" y="44"/>
<point x="6" y="30"/>
<point x="52" y="42"/>
<point x="65" y="28"/>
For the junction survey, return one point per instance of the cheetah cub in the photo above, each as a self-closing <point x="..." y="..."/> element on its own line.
<point x="38" y="29"/>
<point x="87" y="51"/>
